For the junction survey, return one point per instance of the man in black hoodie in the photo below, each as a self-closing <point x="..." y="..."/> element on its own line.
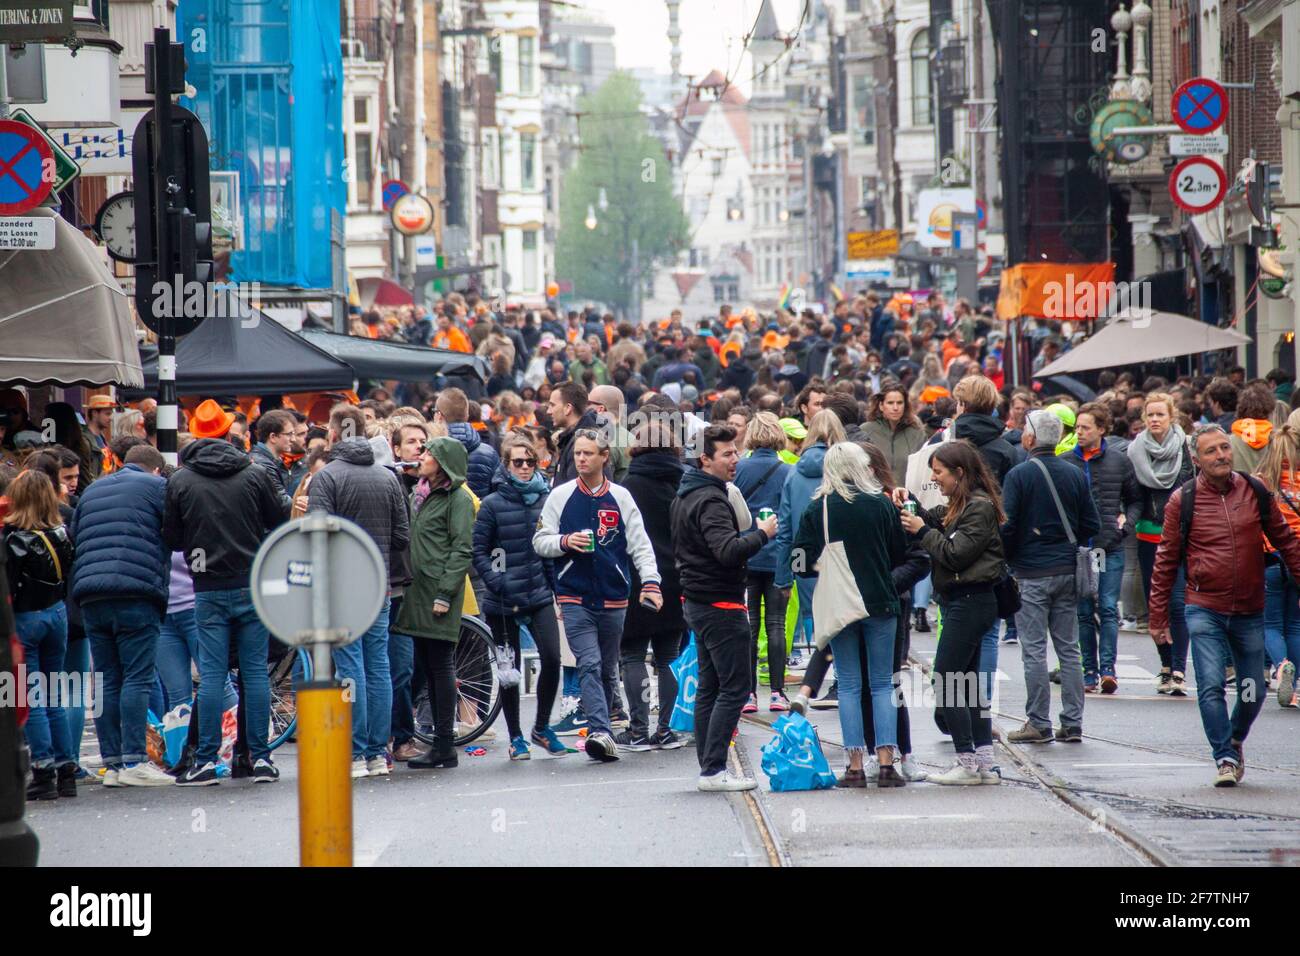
<point x="569" y="412"/>
<point x="219" y="509"/>
<point x="712" y="553"/>
<point x="977" y="397"/>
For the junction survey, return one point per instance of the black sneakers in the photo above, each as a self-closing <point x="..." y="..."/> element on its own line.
<point x="1069" y="735"/>
<point x="666" y="740"/>
<point x="265" y="772"/>
<point x="922" y="625"/>
<point x="198" y="776"/>
<point x="44" y="785"/>
<point x="636" y="743"/>
<point x="600" y="746"/>
<point x="67" y="780"/>
<point x="831" y="698"/>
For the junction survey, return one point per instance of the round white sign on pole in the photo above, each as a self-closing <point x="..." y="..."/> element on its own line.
<point x="345" y="566"/>
<point x="1198" y="184"/>
<point x="412" y="215"/>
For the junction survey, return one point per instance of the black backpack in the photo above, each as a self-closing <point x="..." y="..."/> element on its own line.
<point x="1187" y="505"/>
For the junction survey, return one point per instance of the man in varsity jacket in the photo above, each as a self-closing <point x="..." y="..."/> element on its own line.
<point x="592" y="528"/>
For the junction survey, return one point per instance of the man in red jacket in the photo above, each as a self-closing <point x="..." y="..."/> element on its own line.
<point x="1225" y="589"/>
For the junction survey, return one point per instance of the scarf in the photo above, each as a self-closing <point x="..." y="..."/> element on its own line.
<point x="529" y="490"/>
<point x="1156" y="464"/>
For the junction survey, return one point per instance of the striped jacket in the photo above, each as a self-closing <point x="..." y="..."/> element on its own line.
<point x="601" y="578"/>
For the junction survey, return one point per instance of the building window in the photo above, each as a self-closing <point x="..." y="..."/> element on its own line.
<point x="732" y="294"/>
<point x="864" y="110"/>
<point x="491" y="159"/>
<point x="361" y="111"/>
<point x="922" y="102"/>
<point x="527" y="64"/>
<point x="717" y="165"/>
<point x="719" y="292"/>
<point x="528" y="160"/>
<point x="530" y="261"/>
<point x="365" y="170"/>
<point x="494" y="60"/>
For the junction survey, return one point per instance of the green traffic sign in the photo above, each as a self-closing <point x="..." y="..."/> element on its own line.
<point x="65" y="167"/>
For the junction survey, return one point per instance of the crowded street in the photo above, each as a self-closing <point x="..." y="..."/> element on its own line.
<point x="564" y="435"/>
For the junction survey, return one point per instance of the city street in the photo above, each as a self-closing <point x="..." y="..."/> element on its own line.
<point x="1139" y="789"/>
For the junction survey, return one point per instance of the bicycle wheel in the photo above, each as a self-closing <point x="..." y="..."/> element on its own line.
<point x="478" y="691"/>
<point x="284" y="707"/>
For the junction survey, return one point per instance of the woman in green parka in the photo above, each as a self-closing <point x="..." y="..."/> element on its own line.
<point x="442" y="536"/>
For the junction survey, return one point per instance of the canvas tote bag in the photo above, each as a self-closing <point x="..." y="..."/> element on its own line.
<point x="837" y="602"/>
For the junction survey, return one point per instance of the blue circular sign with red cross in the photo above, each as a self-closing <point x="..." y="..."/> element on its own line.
<point x="1199" y="106"/>
<point x="24" y="157"/>
<point x="393" y="190"/>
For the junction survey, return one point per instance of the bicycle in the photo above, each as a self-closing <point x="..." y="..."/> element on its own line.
<point x="284" y="707"/>
<point x="478" y="689"/>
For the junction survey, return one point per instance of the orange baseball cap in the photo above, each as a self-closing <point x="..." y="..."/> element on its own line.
<point x="210" y="420"/>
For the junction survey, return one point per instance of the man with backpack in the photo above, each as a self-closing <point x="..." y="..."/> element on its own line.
<point x="1212" y="526"/>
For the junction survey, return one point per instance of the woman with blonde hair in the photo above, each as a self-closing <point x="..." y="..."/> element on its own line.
<point x="1280" y="471"/>
<point x="931" y="374"/>
<point x="849" y="507"/>
<point x="1163" y="463"/>
<point x="38" y="557"/>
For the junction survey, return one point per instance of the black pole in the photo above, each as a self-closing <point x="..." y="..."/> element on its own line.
<point x="164" y="192"/>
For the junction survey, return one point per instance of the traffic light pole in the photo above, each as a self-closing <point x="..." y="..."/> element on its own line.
<point x="164" y="192"/>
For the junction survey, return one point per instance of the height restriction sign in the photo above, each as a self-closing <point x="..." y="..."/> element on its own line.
<point x="1198" y="184"/>
<point x="26" y="168"/>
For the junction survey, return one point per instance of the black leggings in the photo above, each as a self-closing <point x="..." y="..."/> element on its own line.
<point x="764" y="596"/>
<point x="636" y="682"/>
<point x="818" y="665"/>
<point x="902" y="638"/>
<point x="546" y="634"/>
<point x="438" y="661"/>
<point x="957" y="684"/>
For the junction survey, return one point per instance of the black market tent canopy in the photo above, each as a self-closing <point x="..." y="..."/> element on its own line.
<point x="64" y="318"/>
<point x="255" y="355"/>
<point x="378" y="359"/>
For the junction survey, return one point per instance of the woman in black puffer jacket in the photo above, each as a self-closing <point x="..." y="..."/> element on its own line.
<point x="518" y="583"/>
<point x="652" y="480"/>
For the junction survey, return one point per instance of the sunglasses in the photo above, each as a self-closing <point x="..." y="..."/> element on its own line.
<point x="523" y="462"/>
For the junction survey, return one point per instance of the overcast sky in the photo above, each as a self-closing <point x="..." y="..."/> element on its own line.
<point x="712" y="32"/>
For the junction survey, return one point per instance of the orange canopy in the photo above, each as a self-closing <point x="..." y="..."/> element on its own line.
<point x="1056" y="290"/>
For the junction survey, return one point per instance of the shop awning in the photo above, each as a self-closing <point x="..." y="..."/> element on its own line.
<point x="248" y="356"/>
<point x="1056" y="290"/>
<point x="383" y="360"/>
<point x="1133" y="337"/>
<point x="374" y="290"/>
<point x="64" y="319"/>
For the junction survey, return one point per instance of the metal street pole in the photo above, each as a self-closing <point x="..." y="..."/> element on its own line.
<point x="165" y="190"/>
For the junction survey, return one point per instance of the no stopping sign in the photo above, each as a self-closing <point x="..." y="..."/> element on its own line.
<point x="1198" y="184"/>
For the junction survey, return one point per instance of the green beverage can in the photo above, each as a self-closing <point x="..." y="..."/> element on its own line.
<point x="591" y="540"/>
<point x="909" y="507"/>
<point x="765" y="513"/>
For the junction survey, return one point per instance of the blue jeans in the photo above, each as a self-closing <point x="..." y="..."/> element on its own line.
<point x="401" y="660"/>
<point x="1221" y="640"/>
<point x="123" y="634"/>
<point x="1102" y="642"/>
<point x="988" y="668"/>
<point x="1172" y="656"/>
<point x="77" y="661"/>
<point x="224" y="618"/>
<point x="178" y="645"/>
<point x="1281" y="616"/>
<point x="804" y="588"/>
<point x="44" y="638"/>
<point x="365" y="663"/>
<point x="921" y="592"/>
<point x="594" y="637"/>
<point x="877" y="633"/>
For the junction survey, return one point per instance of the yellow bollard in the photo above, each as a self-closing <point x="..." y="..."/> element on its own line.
<point x="324" y="775"/>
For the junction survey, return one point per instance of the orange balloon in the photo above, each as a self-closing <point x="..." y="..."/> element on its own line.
<point x="552" y="289"/>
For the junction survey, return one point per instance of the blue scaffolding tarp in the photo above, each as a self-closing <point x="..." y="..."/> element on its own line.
<point x="269" y="76"/>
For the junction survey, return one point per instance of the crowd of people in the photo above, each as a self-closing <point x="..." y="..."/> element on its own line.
<point x="612" y="491"/>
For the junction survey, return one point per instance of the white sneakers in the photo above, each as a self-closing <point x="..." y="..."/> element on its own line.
<point x="110" y="778"/>
<point x="143" y="774"/>
<point x="958" y="775"/>
<point x="725" y="782"/>
<point x="376" y="767"/>
<point x="909" y="769"/>
<point x="359" y="768"/>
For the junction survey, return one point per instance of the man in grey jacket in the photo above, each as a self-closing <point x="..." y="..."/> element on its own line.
<point x="354" y="486"/>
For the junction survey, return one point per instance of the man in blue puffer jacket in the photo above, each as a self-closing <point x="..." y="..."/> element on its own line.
<point x="802" y="481"/>
<point x="452" y="410"/>
<point x="120" y="578"/>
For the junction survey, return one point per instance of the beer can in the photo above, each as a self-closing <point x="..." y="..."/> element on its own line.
<point x="765" y="513"/>
<point x="591" y="540"/>
<point x="910" y="507"/>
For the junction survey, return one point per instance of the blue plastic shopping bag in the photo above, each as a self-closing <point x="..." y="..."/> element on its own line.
<point x="793" y="759"/>
<point x="687" y="671"/>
